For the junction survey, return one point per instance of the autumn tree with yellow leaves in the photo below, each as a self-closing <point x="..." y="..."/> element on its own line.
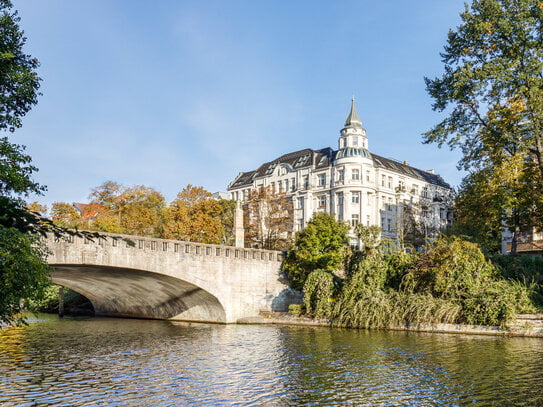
<point x="195" y="216"/>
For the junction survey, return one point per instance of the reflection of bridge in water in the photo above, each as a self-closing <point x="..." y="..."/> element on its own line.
<point x="156" y="278"/>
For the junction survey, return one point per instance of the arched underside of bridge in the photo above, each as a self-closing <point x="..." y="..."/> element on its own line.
<point x="139" y="294"/>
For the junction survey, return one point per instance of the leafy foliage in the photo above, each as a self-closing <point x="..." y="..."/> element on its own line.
<point x="23" y="272"/>
<point x="322" y="244"/>
<point x="194" y="216"/>
<point x="268" y="219"/>
<point x="493" y="89"/>
<point x="19" y="81"/>
<point x="319" y="289"/>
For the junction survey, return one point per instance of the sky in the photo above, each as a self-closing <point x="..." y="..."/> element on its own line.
<point x="169" y="93"/>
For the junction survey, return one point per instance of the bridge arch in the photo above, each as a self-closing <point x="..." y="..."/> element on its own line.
<point x="129" y="292"/>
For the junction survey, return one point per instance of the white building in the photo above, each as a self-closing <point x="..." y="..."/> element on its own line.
<point x="353" y="184"/>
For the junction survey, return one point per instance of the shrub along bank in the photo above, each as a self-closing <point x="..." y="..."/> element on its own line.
<point x="450" y="282"/>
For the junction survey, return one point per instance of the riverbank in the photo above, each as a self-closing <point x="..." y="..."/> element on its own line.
<point x="529" y="325"/>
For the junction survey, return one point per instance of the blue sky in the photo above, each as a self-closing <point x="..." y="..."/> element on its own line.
<point x="168" y="93"/>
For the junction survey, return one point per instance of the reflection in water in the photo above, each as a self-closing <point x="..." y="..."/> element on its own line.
<point x="134" y="362"/>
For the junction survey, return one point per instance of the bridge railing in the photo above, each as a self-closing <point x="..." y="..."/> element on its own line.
<point x="176" y="246"/>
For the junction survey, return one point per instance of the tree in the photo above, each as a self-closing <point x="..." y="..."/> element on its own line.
<point x="65" y="215"/>
<point x="141" y="209"/>
<point x="19" y="81"/>
<point x="195" y="216"/>
<point x="37" y="208"/>
<point x="493" y="89"/>
<point x="322" y="244"/>
<point x="268" y="219"/>
<point x="24" y="274"/>
<point x="23" y="271"/>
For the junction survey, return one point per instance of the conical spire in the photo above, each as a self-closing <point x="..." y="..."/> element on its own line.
<point x="353" y="120"/>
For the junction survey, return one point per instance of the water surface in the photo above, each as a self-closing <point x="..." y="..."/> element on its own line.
<point x="103" y="361"/>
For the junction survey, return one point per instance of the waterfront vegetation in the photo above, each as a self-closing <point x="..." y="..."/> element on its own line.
<point x="450" y="281"/>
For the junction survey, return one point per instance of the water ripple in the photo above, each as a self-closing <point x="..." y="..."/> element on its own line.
<point x="80" y="362"/>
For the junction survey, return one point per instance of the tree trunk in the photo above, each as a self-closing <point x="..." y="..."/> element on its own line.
<point x="516" y="233"/>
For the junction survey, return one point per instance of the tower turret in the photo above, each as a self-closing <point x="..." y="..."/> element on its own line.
<point x="352" y="140"/>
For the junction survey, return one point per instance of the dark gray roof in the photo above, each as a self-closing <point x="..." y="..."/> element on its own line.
<point x="299" y="159"/>
<point x="412" y="172"/>
<point x="323" y="158"/>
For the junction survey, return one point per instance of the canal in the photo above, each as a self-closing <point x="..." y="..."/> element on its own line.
<point x="105" y="361"/>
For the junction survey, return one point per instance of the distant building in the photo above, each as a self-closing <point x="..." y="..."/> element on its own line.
<point x="529" y="243"/>
<point x="353" y="184"/>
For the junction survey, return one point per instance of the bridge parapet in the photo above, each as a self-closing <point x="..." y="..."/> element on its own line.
<point x="150" y="244"/>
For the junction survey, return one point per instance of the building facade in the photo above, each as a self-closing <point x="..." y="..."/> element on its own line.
<point x="354" y="185"/>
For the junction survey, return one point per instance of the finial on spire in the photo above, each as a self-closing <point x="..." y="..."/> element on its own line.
<point x="353" y="120"/>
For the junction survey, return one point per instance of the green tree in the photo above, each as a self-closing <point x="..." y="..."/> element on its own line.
<point x="24" y="275"/>
<point x="23" y="271"/>
<point x="322" y="244"/>
<point x="493" y="90"/>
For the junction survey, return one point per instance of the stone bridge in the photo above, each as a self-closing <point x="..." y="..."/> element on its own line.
<point x="140" y="277"/>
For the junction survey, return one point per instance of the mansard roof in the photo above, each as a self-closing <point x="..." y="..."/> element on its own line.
<point x="404" y="169"/>
<point x="299" y="159"/>
<point x="323" y="158"/>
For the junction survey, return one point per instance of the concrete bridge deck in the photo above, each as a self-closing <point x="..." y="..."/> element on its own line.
<point x="143" y="277"/>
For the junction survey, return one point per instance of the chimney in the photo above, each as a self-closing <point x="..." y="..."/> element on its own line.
<point x="405" y="163"/>
<point x="430" y="171"/>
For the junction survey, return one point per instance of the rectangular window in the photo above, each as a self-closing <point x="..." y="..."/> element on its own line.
<point x="340" y="199"/>
<point x="355" y="141"/>
<point x="401" y="186"/>
<point x="383" y="180"/>
<point x="306" y="181"/>
<point x="367" y="220"/>
<point x="356" y="174"/>
<point x="355" y="219"/>
<point x="293" y="184"/>
<point x="322" y="180"/>
<point x="425" y="192"/>
<point x="389" y="184"/>
<point x="369" y="198"/>
<point x="322" y="201"/>
<point x="389" y="225"/>
<point x="340" y="175"/>
<point x="382" y="223"/>
<point x="286" y="185"/>
<point x="389" y="204"/>
<point x="367" y="176"/>
<point x="165" y="246"/>
<point x="355" y="197"/>
<point x="301" y="203"/>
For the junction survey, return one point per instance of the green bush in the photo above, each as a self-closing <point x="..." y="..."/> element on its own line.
<point x="319" y="290"/>
<point x="524" y="269"/>
<point x="296" y="309"/>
